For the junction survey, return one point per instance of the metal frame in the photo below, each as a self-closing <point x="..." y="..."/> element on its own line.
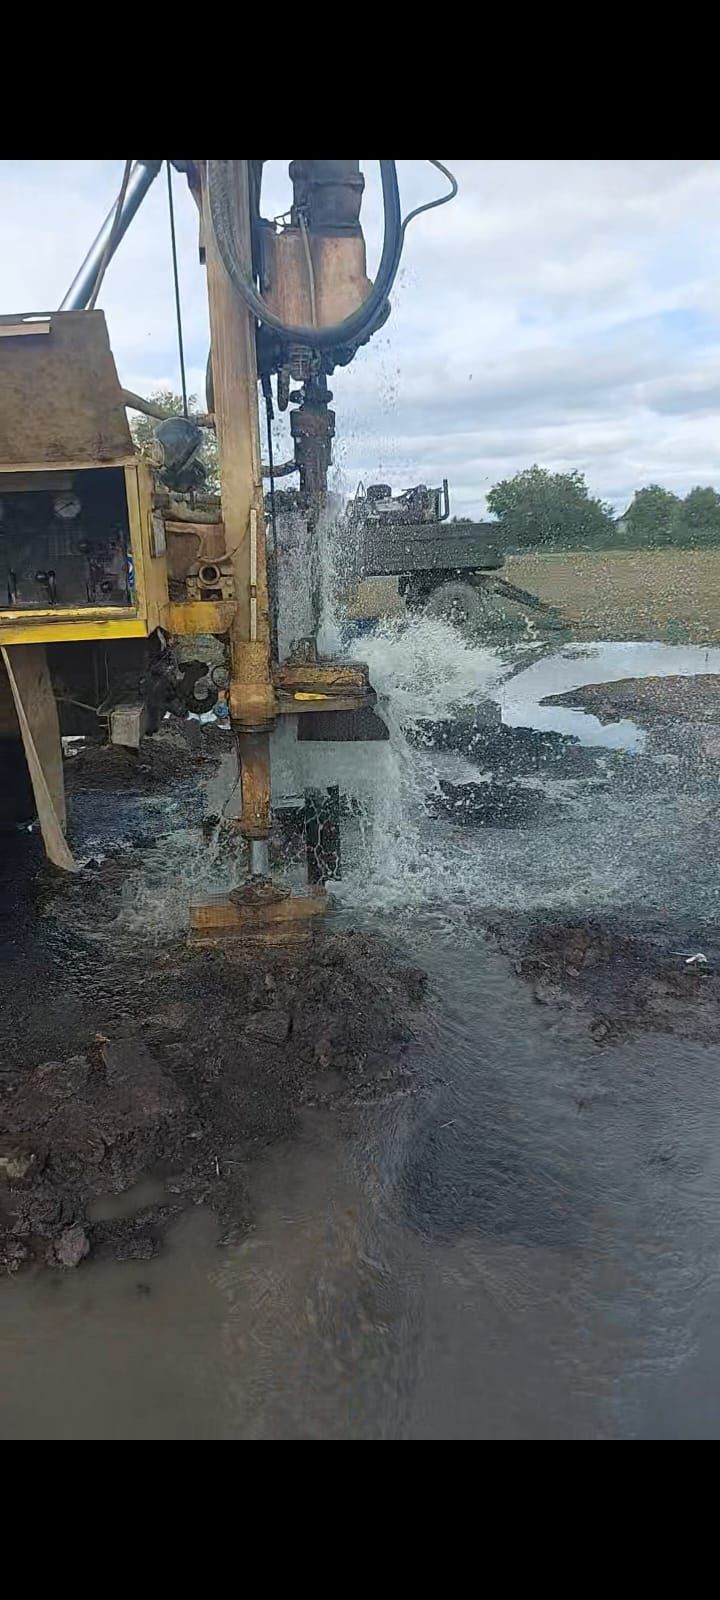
<point x="142" y="176"/>
<point x="60" y="624"/>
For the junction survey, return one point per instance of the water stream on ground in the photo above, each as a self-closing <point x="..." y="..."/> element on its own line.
<point x="526" y="1245"/>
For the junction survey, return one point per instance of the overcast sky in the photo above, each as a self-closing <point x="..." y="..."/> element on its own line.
<point x="565" y="312"/>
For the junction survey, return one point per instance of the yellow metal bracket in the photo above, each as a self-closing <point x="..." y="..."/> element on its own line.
<point x="322" y="686"/>
<point x="197" y="616"/>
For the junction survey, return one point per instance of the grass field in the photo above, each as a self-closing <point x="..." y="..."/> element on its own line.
<point x="672" y="595"/>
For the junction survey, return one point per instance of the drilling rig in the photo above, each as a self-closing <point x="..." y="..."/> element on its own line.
<point x="104" y="552"/>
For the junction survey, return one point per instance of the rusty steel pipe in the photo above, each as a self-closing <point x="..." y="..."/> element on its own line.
<point x="252" y="701"/>
<point x="255" y="817"/>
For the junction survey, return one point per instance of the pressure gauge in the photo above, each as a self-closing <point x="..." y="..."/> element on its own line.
<point x="66" y="506"/>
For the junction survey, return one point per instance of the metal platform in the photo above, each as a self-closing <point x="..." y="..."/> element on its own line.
<point x="394" y="550"/>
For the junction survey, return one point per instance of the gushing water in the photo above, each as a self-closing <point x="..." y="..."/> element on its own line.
<point x="423" y="671"/>
<point x="622" y="831"/>
<point x="596" y="840"/>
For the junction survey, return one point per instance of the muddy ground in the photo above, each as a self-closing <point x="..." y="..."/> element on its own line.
<point x="648" y="701"/>
<point x="505" y="752"/>
<point x="505" y="756"/>
<point x="185" y="751"/>
<point x="122" y="1060"/>
<point x="661" y="979"/>
<point x="181" y="1064"/>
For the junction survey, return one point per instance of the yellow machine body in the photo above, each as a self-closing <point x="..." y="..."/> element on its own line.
<point x="62" y="417"/>
<point x="58" y="623"/>
<point x="82" y="551"/>
<point x="67" y="462"/>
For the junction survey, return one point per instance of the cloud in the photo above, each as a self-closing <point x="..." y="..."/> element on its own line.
<point x="560" y="311"/>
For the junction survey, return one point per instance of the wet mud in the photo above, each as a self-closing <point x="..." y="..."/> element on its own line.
<point x="506" y="758"/>
<point x="184" y="1065"/>
<point x="509" y="753"/>
<point x="122" y="1059"/>
<point x="491" y="805"/>
<point x="182" y="752"/>
<point x="661" y="979"/>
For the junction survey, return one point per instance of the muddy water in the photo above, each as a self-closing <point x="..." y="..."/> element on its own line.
<point x="524" y="1245"/>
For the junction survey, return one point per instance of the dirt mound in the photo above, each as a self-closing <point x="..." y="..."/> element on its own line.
<point x="622" y="984"/>
<point x="197" y="1058"/>
<point x="168" y="757"/>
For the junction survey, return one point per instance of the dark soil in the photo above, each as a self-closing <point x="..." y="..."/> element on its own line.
<point x="491" y="805"/>
<point x="648" y="700"/>
<point x="184" y="1064"/>
<point x="121" y="1060"/>
<point x="164" y="759"/>
<point x="620" y="983"/>
<point x="507" y="752"/>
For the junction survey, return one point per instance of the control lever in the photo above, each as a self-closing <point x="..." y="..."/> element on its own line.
<point x="47" y="579"/>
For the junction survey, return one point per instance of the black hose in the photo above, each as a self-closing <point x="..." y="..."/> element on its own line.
<point x="274" y="597"/>
<point x="176" y="285"/>
<point x="209" y="384"/>
<point x="359" y="322"/>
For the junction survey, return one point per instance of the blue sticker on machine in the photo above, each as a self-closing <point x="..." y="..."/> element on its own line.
<point x="130" y="572"/>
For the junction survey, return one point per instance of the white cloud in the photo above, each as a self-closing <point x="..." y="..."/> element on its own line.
<point x="562" y="311"/>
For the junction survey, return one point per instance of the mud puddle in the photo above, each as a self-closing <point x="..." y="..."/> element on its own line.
<point x="558" y="693"/>
<point x="651" y="701"/>
<point x="290" y="1330"/>
<point x="498" y="1220"/>
<point x="619" y="983"/>
<point x="521" y="1245"/>
<point x="127" y="1058"/>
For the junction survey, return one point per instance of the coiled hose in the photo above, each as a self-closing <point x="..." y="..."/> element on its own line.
<point x="352" y="327"/>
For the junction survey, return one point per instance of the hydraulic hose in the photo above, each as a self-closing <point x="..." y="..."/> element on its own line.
<point x="339" y="333"/>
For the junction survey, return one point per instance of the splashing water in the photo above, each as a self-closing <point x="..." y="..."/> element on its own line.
<point x="419" y="670"/>
<point x="617" y="836"/>
<point x="602" y="844"/>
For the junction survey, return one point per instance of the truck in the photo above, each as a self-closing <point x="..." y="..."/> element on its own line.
<point x="447" y="568"/>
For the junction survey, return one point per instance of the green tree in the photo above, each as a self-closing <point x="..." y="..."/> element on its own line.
<point x="698" y="520"/>
<point x="143" y="428"/>
<point x="658" y="517"/>
<point x="550" y="508"/>
<point x="652" y="517"/>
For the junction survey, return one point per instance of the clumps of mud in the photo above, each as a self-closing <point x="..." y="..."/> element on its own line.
<point x="122" y="1062"/>
<point x="617" y="983"/>
<point x="509" y="753"/>
<point x="491" y="805"/>
<point x="195" y="1061"/>
<point x="175" y="754"/>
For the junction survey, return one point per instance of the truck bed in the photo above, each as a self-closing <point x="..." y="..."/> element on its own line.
<point x="427" y="547"/>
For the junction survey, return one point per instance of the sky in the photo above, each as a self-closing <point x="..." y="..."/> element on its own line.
<point x="564" y="312"/>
